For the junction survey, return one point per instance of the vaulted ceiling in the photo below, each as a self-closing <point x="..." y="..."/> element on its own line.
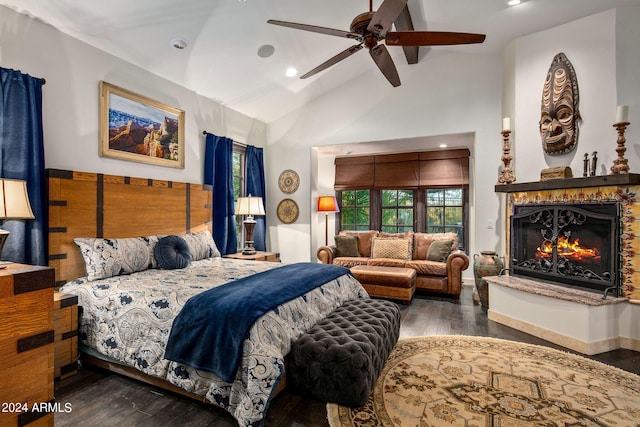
<point x="226" y="53"/>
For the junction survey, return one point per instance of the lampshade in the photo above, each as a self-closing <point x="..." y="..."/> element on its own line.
<point x="14" y="201"/>
<point x="250" y="205"/>
<point x="328" y="204"/>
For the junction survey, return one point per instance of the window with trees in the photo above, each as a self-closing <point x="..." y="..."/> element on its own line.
<point x="445" y="211"/>
<point x="422" y="191"/>
<point x="397" y="211"/>
<point x="354" y="211"/>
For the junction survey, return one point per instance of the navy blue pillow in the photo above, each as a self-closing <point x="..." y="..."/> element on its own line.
<point x="172" y="252"/>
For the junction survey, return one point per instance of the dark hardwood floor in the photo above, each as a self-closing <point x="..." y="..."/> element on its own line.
<point x="100" y="398"/>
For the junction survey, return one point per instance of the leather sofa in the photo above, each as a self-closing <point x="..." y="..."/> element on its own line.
<point x="443" y="276"/>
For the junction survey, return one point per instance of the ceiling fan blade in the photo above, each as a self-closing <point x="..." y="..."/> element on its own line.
<point x="383" y="60"/>
<point x="431" y="38"/>
<point x="404" y="23"/>
<point x="386" y="14"/>
<point x="316" y="29"/>
<point x="339" y="57"/>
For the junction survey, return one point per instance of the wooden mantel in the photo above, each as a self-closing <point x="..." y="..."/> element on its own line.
<point x="553" y="184"/>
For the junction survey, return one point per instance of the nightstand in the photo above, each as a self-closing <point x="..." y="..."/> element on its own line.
<point x="26" y="345"/>
<point x="65" y="318"/>
<point x="258" y="256"/>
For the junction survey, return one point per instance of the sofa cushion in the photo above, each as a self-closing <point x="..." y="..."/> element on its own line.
<point x="439" y="250"/>
<point x="422" y="241"/>
<point x="391" y="248"/>
<point x="405" y="235"/>
<point x="387" y="262"/>
<point x="347" y="246"/>
<point x="427" y="268"/>
<point x="364" y="240"/>
<point x="348" y="261"/>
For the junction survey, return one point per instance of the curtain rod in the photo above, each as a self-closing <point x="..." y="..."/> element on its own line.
<point x="204" y="132"/>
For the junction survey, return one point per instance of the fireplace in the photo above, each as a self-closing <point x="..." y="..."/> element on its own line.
<point x="570" y="244"/>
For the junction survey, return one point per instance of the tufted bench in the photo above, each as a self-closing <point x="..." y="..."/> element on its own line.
<point x="339" y="359"/>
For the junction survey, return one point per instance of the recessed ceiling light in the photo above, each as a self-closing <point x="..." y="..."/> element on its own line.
<point x="443" y="145"/>
<point x="291" y="72"/>
<point x="514" y="2"/>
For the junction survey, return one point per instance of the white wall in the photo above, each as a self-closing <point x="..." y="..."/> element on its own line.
<point x="591" y="46"/>
<point x="604" y="51"/>
<point x="73" y="69"/>
<point x="455" y="93"/>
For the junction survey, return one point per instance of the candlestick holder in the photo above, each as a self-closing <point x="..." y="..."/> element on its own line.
<point x="620" y="165"/>
<point x="506" y="174"/>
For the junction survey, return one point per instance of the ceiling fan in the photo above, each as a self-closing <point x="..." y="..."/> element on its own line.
<point x="371" y="27"/>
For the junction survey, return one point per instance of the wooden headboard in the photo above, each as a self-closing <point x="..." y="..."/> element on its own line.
<point x="83" y="204"/>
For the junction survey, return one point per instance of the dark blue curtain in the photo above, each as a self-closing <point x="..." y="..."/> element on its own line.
<point x="218" y="172"/>
<point x="22" y="157"/>
<point x="255" y="186"/>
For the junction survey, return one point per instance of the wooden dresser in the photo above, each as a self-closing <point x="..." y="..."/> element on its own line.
<point x="65" y="319"/>
<point x="26" y="345"/>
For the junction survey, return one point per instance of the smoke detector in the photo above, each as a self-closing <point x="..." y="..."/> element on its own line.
<point x="178" y="43"/>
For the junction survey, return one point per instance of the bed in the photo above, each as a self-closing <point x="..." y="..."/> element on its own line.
<point x="127" y="316"/>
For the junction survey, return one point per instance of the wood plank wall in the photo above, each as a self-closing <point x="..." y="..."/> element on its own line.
<point x="85" y="204"/>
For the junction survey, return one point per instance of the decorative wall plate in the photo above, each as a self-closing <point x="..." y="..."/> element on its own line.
<point x="288" y="211"/>
<point x="288" y="181"/>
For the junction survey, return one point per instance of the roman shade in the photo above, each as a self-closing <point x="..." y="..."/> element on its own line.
<point x="354" y="173"/>
<point x="407" y="171"/>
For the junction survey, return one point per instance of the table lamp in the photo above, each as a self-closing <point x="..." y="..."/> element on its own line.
<point x="14" y="204"/>
<point x="249" y="206"/>
<point x="327" y="204"/>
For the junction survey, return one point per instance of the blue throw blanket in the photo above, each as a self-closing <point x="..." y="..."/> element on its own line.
<point x="209" y="332"/>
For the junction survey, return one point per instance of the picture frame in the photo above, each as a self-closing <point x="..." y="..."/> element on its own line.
<point x="140" y="129"/>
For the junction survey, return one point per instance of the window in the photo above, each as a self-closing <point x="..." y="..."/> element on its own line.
<point x="238" y="185"/>
<point x="424" y="192"/>
<point x="397" y="211"/>
<point x="445" y="212"/>
<point x="354" y="210"/>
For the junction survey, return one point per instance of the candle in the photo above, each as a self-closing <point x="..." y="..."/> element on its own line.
<point x="506" y="123"/>
<point x="622" y="114"/>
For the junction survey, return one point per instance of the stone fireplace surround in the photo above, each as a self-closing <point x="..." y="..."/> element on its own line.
<point x="576" y="319"/>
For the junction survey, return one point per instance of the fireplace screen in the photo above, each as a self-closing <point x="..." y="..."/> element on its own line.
<point x="569" y="244"/>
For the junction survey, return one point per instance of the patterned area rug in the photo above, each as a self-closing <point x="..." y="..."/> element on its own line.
<point x="477" y="381"/>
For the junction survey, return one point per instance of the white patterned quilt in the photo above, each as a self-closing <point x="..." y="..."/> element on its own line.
<point x="128" y="318"/>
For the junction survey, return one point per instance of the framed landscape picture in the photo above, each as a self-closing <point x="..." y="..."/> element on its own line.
<point x="139" y="129"/>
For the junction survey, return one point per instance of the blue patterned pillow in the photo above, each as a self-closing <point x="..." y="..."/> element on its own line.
<point x="104" y="258"/>
<point x="172" y="252"/>
<point x="201" y="245"/>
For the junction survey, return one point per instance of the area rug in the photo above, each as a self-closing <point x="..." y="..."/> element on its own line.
<point x="478" y="381"/>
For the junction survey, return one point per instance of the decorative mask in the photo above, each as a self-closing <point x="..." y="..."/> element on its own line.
<point x="560" y="116"/>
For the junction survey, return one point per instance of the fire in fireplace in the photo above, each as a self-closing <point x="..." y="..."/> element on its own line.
<point x="573" y="244"/>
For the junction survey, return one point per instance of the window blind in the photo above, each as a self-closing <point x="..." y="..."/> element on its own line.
<point x="427" y="169"/>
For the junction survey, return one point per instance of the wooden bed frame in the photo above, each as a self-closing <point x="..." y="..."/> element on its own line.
<point x="85" y="204"/>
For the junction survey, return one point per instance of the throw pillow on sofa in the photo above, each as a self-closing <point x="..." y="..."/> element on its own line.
<point x="391" y="248"/>
<point x="439" y="250"/>
<point x="346" y="246"/>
